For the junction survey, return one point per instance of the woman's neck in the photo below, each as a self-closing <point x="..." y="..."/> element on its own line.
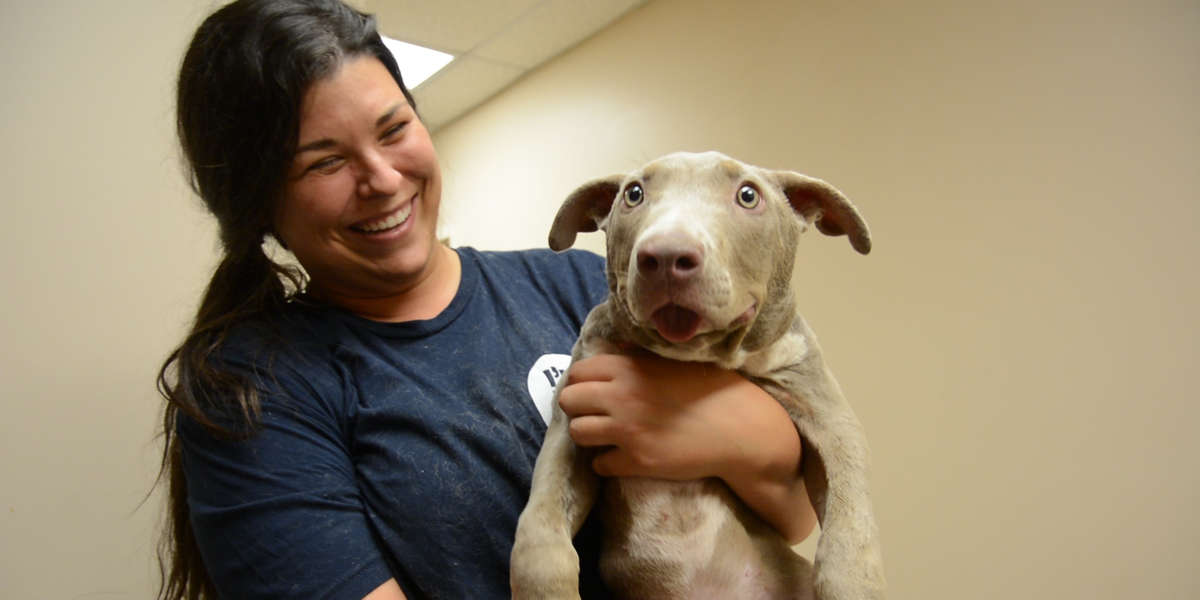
<point x="425" y="299"/>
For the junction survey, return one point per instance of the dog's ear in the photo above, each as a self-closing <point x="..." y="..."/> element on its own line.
<point x="583" y="210"/>
<point x="823" y="205"/>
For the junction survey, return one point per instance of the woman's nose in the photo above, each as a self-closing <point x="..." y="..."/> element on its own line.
<point x="378" y="177"/>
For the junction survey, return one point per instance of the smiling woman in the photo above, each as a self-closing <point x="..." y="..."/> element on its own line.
<point x="360" y="206"/>
<point x="366" y="427"/>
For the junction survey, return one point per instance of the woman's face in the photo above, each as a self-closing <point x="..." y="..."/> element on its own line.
<point x="359" y="209"/>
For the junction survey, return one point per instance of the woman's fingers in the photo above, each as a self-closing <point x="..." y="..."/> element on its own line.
<point x="582" y="399"/>
<point x="590" y="430"/>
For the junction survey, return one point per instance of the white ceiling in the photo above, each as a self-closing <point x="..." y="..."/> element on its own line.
<point x="495" y="42"/>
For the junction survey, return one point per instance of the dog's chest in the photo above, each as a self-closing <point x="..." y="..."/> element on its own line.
<point x="663" y="540"/>
<point x="677" y="518"/>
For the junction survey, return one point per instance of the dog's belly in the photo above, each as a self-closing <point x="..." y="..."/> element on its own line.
<point x="687" y="540"/>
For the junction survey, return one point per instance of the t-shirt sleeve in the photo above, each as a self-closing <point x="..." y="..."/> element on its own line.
<point x="279" y="515"/>
<point x="591" y="268"/>
<point x="580" y="279"/>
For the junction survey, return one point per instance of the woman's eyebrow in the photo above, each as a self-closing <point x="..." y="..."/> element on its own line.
<point x="317" y="145"/>
<point x="387" y="116"/>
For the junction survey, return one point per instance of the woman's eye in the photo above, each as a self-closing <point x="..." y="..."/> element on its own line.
<point x="634" y="195"/>
<point x="393" y="131"/>
<point x="747" y="197"/>
<point x="325" y="164"/>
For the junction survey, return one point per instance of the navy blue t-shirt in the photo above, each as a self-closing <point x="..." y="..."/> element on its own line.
<point x="392" y="449"/>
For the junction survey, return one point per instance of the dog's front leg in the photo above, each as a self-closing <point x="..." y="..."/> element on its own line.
<point x="848" y="563"/>
<point x="544" y="563"/>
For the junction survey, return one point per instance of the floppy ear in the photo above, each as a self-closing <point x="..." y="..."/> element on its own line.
<point x="822" y="204"/>
<point x="583" y="210"/>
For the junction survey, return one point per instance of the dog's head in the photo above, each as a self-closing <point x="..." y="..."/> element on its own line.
<point x="701" y="249"/>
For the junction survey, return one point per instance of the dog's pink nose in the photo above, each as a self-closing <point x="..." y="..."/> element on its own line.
<point x="672" y="256"/>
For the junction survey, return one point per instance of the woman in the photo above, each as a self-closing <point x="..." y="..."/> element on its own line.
<point x="363" y="429"/>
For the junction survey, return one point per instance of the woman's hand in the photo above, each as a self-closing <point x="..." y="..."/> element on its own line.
<point x="653" y="417"/>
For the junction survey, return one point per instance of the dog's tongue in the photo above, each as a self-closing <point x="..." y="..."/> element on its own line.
<point x="675" y="323"/>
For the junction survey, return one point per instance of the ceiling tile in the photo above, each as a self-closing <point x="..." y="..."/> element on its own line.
<point x="459" y="87"/>
<point x="495" y="41"/>
<point x="550" y="28"/>
<point x="454" y="26"/>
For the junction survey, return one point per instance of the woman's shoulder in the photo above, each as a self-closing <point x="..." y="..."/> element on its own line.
<point x="290" y="356"/>
<point x="563" y="274"/>
<point x="298" y="330"/>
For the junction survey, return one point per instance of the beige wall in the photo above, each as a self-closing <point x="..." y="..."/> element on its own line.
<point x="1016" y="344"/>
<point x="1019" y="341"/>
<point x="103" y="254"/>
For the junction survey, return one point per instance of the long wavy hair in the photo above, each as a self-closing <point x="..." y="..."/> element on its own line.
<point x="239" y="92"/>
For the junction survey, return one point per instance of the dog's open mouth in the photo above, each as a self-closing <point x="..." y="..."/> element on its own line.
<point x="676" y="323"/>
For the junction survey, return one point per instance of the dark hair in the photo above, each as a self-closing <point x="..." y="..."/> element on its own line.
<point x="240" y="87"/>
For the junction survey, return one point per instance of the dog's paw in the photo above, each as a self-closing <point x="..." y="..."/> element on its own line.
<point x="544" y="569"/>
<point x="856" y="577"/>
<point x="542" y="584"/>
<point x="836" y="587"/>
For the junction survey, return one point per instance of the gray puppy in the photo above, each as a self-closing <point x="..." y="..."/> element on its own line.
<point x="702" y="267"/>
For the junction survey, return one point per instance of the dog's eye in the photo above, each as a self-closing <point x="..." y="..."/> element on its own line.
<point x="634" y="195"/>
<point x="747" y="197"/>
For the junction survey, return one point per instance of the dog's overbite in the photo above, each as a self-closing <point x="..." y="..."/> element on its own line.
<point x="675" y="323"/>
<point x="701" y="257"/>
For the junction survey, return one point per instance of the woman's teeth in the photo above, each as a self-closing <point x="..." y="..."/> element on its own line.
<point x="397" y="218"/>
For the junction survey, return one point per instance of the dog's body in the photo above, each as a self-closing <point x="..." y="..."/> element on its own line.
<point x="701" y="267"/>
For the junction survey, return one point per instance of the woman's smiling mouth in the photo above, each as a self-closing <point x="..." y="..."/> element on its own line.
<point x="392" y="221"/>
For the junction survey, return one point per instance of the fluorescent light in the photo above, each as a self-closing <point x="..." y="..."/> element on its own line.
<point x="417" y="63"/>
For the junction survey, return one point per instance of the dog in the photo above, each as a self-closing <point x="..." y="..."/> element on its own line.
<point x="702" y="267"/>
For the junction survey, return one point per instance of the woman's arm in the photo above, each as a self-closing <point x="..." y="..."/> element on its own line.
<point x="680" y="420"/>
<point x="390" y="590"/>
